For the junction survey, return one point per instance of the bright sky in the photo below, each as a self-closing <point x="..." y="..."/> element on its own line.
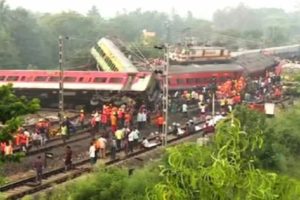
<point x="108" y="8"/>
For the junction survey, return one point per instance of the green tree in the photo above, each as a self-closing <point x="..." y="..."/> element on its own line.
<point x="11" y="108"/>
<point x="283" y="144"/>
<point x="220" y="171"/>
<point x="28" y="38"/>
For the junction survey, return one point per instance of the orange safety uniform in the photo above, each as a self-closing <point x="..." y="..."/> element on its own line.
<point x="17" y="139"/>
<point x="113" y="120"/>
<point x="160" y="120"/>
<point x="23" y="139"/>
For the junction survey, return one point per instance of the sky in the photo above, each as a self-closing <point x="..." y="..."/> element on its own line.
<point x="108" y="8"/>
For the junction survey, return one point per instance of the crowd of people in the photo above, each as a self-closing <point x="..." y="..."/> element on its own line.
<point x="24" y="138"/>
<point x="119" y="127"/>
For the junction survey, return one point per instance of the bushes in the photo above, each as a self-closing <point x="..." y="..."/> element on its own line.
<point x="221" y="171"/>
<point x="282" y="142"/>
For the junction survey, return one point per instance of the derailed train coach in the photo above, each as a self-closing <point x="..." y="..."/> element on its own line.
<point x="97" y="87"/>
<point x="285" y="52"/>
<point x="184" y="77"/>
<point x="81" y="87"/>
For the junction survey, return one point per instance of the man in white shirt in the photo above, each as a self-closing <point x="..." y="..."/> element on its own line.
<point x="136" y="137"/>
<point x="185" y="110"/>
<point x="92" y="153"/>
<point x="131" y="140"/>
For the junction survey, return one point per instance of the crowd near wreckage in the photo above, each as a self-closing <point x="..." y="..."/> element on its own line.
<point x="120" y="81"/>
<point x="125" y="97"/>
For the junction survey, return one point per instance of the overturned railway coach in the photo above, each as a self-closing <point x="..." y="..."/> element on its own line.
<point x="80" y="86"/>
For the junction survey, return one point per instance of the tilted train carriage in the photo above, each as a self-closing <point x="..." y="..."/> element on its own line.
<point x="80" y="86"/>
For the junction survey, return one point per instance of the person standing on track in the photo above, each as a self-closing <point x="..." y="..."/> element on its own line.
<point x="185" y="110"/>
<point x="68" y="158"/>
<point x="160" y="121"/>
<point x="92" y="153"/>
<point x="64" y="132"/>
<point x="102" y="147"/>
<point x="113" y="148"/>
<point x="131" y="140"/>
<point x="119" y="134"/>
<point x="38" y="166"/>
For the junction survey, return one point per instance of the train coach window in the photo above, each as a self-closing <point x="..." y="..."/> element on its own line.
<point x="180" y="81"/>
<point x="23" y="78"/>
<point x="202" y="80"/>
<point x="191" y="81"/>
<point x="99" y="50"/>
<point x="115" y="80"/>
<point x="40" y="78"/>
<point x="100" y="80"/>
<point x="2" y="78"/>
<point x="80" y="79"/>
<point x="53" y="79"/>
<point x="69" y="79"/>
<point x="12" y="78"/>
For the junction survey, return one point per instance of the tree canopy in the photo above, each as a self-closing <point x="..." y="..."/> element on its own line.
<point x="221" y="171"/>
<point x="11" y="110"/>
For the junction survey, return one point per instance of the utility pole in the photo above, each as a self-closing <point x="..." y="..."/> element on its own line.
<point x="213" y="104"/>
<point x="166" y="94"/>
<point x="61" y="80"/>
<point x="213" y="89"/>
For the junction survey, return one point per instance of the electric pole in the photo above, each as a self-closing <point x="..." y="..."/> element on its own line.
<point x="61" y="80"/>
<point x="213" y="90"/>
<point x="166" y="93"/>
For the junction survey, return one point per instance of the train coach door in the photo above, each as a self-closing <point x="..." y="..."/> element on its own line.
<point x="130" y="78"/>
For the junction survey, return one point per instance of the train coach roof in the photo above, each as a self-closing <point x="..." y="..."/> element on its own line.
<point x="255" y="63"/>
<point x="193" y="68"/>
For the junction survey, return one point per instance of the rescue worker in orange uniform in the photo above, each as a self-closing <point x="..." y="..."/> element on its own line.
<point x="160" y="122"/>
<point x="128" y="119"/>
<point x="24" y="140"/>
<point x="113" y="122"/>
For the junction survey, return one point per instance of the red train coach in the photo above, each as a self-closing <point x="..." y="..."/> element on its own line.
<point x="78" y="85"/>
<point x="192" y="76"/>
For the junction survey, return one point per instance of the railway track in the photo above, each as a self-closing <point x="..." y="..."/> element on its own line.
<point x="26" y="186"/>
<point x="55" y="142"/>
<point x="79" y="142"/>
<point x="85" y="135"/>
